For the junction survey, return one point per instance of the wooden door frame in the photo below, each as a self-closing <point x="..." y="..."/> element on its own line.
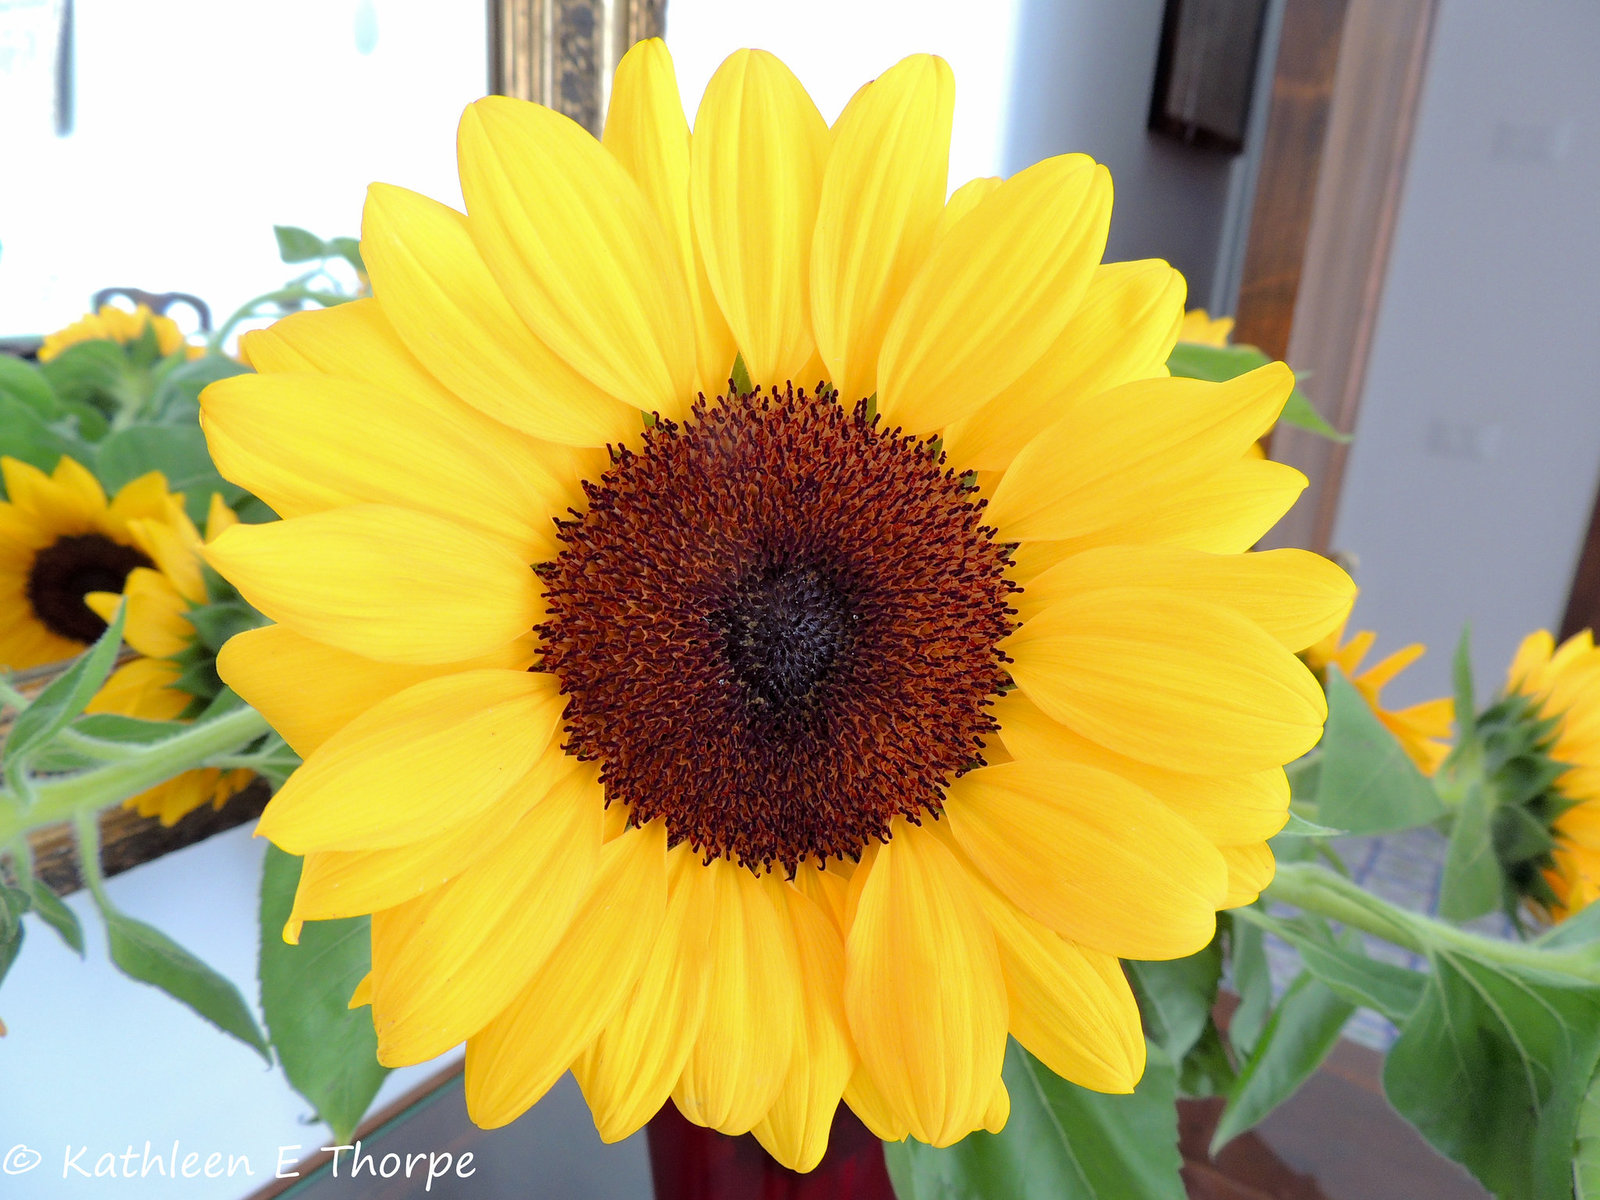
<point x="1345" y="94"/>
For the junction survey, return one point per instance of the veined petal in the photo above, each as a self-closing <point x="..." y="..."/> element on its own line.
<point x="1169" y="680"/>
<point x="1250" y="870"/>
<point x="1228" y="810"/>
<point x="963" y="200"/>
<point x="1090" y="855"/>
<point x="1296" y="596"/>
<point x="756" y="169"/>
<point x="308" y="691"/>
<point x="1123" y="330"/>
<point x="446" y="963"/>
<point x="416" y="763"/>
<point x="515" y="1059"/>
<point x="578" y="252"/>
<point x="739" y="1061"/>
<point x="305" y="443"/>
<point x="994" y="293"/>
<point x="1070" y="1006"/>
<point x="156" y="625"/>
<point x="388" y="583"/>
<point x="649" y="135"/>
<point x="882" y="196"/>
<point x="435" y="288"/>
<point x="795" y="1129"/>
<point x="141" y="688"/>
<point x="923" y="988"/>
<point x="1111" y="453"/>
<point x="630" y="1070"/>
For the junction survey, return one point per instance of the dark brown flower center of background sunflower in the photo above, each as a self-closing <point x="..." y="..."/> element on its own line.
<point x="68" y="570"/>
<point x="777" y="628"/>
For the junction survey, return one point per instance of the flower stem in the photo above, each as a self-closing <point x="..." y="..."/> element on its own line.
<point x="1316" y="889"/>
<point x="63" y="798"/>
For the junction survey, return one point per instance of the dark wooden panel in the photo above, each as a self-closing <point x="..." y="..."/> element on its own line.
<point x="1583" y="603"/>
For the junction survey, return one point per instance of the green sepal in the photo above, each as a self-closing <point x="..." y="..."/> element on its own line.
<point x="215" y="623"/>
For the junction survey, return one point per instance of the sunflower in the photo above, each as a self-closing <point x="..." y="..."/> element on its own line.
<point x="1423" y="730"/>
<point x="1564" y="684"/>
<point x="1201" y="328"/>
<point x="116" y="324"/>
<point x="174" y="677"/>
<point x="59" y="541"/>
<point x="866" y="700"/>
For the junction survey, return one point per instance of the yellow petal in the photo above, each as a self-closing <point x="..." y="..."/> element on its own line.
<point x="305" y="443"/>
<point x="447" y="962"/>
<point x="574" y="993"/>
<point x="1227" y="809"/>
<point x="994" y="293"/>
<point x="1296" y="596"/>
<point x="1124" y="329"/>
<point x="742" y="1054"/>
<point x="963" y="200"/>
<point x="156" y="625"/>
<point x="414" y="764"/>
<point x="648" y="133"/>
<point x="882" y="196"/>
<point x="392" y="584"/>
<point x="756" y="168"/>
<point x="348" y="341"/>
<point x="362" y="996"/>
<point x="795" y="1129"/>
<point x="1250" y="870"/>
<point x="1091" y="856"/>
<point x="433" y="285"/>
<point x="142" y="688"/>
<point x="1119" y="451"/>
<point x="308" y="691"/>
<point x="1169" y="680"/>
<point x="578" y="252"/>
<point x="1070" y="1006"/>
<point x="923" y="988"/>
<point x="629" y="1071"/>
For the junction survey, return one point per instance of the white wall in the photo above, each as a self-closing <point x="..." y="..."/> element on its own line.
<point x="1473" y="471"/>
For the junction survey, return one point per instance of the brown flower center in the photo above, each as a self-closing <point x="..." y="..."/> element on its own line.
<point x="777" y="628"/>
<point x="66" y="571"/>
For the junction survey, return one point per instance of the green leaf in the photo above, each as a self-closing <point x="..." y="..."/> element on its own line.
<point x="177" y="396"/>
<point x="1461" y="677"/>
<point x="1471" y="884"/>
<point x="740" y="375"/>
<point x="329" y="1053"/>
<point x="25" y="435"/>
<point x="296" y="245"/>
<point x="1383" y="987"/>
<point x="53" y="911"/>
<point x="1062" y="1142"/>
<point x="150" y="956"/>
<point x="349" y="249"/>
<point x="62" y="700"/>
<point x="25" y="383"/>
<point x="1304" y="775"/>
<point x="1176" y="997"/>
<point x="129" y="731"/>
<point x="1252" y="979"/>
<point x="13" y="903"/>
<point x="178" y="452"/>
<point x="216" y="623"/>
<point x="1303" y="1028"/>
<point x="90" y="372"/>
<point x="1298" y="826"/>
<point x="1492" y="1068"/>
<point x="1368" y="783"/>
<point x="1195" y="360"/>
<point x="1586" y="1154"/>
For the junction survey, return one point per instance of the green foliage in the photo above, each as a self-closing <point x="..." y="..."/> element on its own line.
<point x="1344" y="966"/>
<point x="1194" y="360"/>
<point x="1586" y="1156"/>
<point x="1493" y="1067"/>
<point x="13" y="903"/>
<point x="329" y="1053"/>
<point x="55" y="707"/>
<point x="1472" y="883"/>
<point x="144" y="953"/>
<point x="1175" y="997"/>
<point x="1366" y="783"/>
<point x="27" y="436"/>
<point x="1062" y="1142"/>
<point x="178" y="452"/>
<point x="53" y="912"/>
<point x="95" y="373"/>
<point x="1252" y="980"/>
<point x="26" y="384"/>
<point x="1302" y="1029"/>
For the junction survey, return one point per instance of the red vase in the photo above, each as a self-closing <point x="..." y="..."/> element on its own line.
<point x="691" y="1163"/>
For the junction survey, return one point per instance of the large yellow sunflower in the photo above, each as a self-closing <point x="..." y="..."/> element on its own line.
<point x="59" y="541"/>
<point x="1565" y="683"/>
<point x="154" y="686"/>
<point x="816" y="736"/>
<point x="116" y="324"/>
<point x="1423" y="730"/>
